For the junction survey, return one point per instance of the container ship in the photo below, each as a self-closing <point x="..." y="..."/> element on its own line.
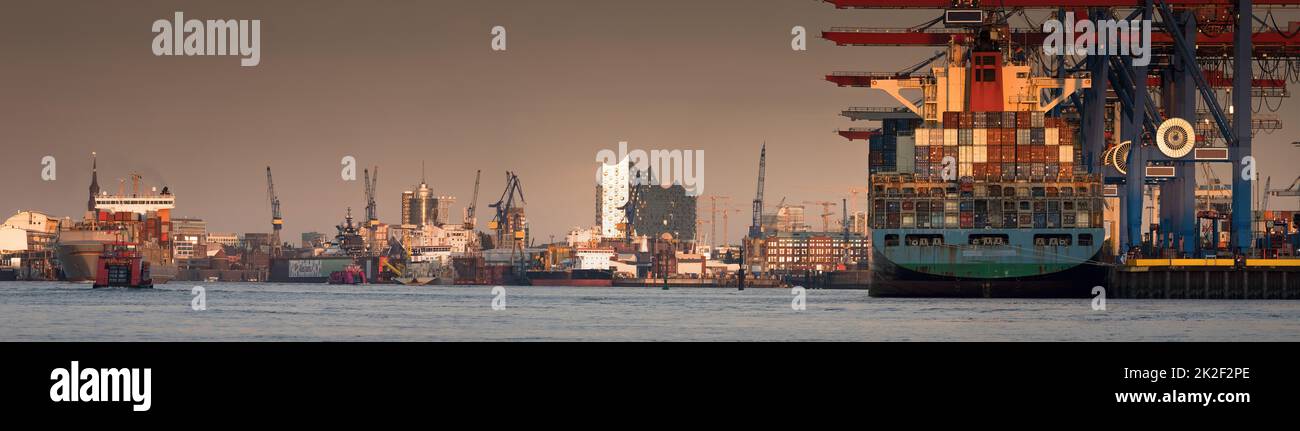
<point x="140" y="220"/>
<point x="979" y="191"/>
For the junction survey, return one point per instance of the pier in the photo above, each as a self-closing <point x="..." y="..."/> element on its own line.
<point x="1206" y="279"/>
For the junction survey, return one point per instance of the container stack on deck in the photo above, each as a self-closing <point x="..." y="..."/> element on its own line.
<point x="997" y="146"/>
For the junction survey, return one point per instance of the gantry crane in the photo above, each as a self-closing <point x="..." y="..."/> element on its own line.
<point x="1187" y="30"/>
<point x="276" y="221"/>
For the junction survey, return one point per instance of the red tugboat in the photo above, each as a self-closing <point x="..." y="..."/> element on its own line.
<point x="121" y="265"/>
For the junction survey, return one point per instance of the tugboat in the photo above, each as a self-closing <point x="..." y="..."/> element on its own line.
<point x="121" y="265"/>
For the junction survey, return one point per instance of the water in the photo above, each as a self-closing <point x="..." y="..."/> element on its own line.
<point x="31" y="311"/>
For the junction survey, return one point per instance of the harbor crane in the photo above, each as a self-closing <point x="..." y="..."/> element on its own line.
<point x="826" y="212"/>
<point x="372" y="217"/>
<point x="507" y="217"/>
<point x="277" y="222"/>
<point x="470" y="218"/>
<point x="756" y="227"/>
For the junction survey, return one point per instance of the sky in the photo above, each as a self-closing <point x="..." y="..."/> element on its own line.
<point x="399" y="83"/>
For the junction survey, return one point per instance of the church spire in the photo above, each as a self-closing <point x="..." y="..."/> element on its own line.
<point x="94" y="181"/>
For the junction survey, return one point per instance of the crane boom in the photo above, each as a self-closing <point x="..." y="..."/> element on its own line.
<point x="756" y="227"/>
<point x="470" y="219"/>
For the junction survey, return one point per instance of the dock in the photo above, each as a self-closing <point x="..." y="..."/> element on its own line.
<point x="1206" y="279"/>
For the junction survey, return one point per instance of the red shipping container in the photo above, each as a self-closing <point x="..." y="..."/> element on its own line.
<point x="978" y="170"/>
<point x="951" y="119"/>
<point x="936" y="154"/>
<point x="994" y="170"/>
<point x="1037" y="154"/>
<point x="1008" y="153"/>
<point x="1024" y="157"/>
<point x="994" y="153"/>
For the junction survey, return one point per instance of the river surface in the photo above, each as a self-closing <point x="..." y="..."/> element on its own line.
<point x="40" y="311"/>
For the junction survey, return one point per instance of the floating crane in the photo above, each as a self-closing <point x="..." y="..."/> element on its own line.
<point x="276" y="221"/>
<point x="756" y="227"/>
<point x="470" y="220"/>
<point x="372" y="217"/>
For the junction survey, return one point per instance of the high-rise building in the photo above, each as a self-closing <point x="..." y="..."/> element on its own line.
<point x="443" y="214"/>
<point x="407" y="198"/>
<point x="611" y="195"/>
<point x="421" y="207"/>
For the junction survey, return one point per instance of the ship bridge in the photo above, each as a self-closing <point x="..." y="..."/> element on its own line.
<point x="134" y="204"/>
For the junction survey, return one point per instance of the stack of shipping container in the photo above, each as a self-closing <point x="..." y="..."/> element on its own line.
<point x="1012" y="170"/>
<point x="996" y="146"/>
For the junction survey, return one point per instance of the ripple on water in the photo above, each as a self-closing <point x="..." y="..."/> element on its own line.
<point x="300" y="312"/>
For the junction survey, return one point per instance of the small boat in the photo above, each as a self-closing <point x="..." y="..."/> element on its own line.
<point x="121" y="265"/>
<point x="350" y="275"/>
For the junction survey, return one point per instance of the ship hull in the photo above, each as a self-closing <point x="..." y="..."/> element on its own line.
<point x="1016" y="270"/>
<point x="571" y="282"/>
<point x="577" y="277"/>
<point x="318" y="269"/>
<point x="79" y="260"/>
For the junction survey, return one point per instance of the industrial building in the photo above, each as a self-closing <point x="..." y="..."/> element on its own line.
<point x="813" y="251"/>
<point x="189" y="238"/>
